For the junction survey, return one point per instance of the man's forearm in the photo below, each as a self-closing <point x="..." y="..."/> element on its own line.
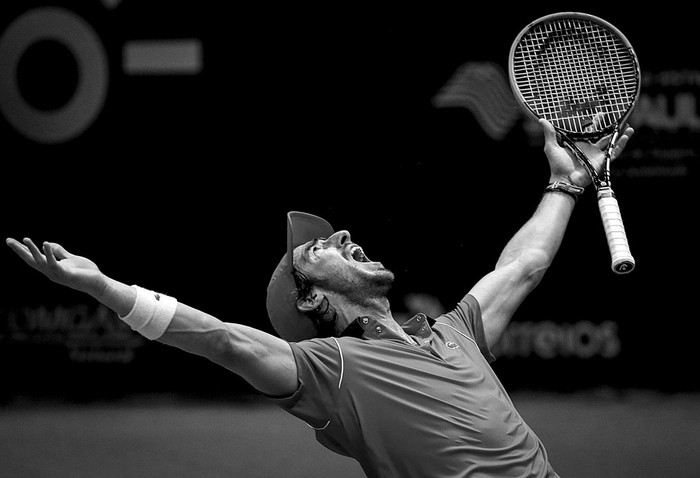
<point x="539" y="239"/>
<point x="522" y="264"/>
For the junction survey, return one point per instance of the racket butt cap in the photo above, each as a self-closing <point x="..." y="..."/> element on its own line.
<point x="623" y="266"/>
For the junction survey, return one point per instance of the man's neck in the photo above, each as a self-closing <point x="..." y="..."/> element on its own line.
<point x="378" y="309"/>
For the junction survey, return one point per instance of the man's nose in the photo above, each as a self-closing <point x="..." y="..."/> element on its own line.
<point x="339" y="238"/>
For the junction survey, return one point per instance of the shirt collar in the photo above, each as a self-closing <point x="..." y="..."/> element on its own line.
<point x="367" y="327"/>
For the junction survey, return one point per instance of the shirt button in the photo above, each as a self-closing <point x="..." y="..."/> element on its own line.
<point x="378" y="329"/>
<point x="365" y="320"/>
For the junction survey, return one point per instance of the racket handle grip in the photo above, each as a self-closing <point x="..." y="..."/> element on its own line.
<point x="622" y="260"/>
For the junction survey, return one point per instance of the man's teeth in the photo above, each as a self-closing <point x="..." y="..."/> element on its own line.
<point x="359" y="256"/>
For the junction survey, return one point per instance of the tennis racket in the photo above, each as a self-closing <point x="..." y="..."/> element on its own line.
<point x="581" y="74"/>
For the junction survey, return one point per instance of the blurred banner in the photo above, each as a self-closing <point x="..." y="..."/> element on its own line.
<point x="167" y="141"/>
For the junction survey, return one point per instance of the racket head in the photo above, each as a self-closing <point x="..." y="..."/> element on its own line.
<point x="577" y="71"/>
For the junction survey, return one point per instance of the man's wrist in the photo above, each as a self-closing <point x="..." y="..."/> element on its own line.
<point x="115" y="295"/>
<point x="564" y="187"/>
<point x="151" y="313"/>
<point x="100" y="288"/>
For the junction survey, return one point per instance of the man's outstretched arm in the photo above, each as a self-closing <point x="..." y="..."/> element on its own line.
<point x="263" y="360"/>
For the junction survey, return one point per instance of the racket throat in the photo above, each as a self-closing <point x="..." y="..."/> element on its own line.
<point x="604" y="191"/>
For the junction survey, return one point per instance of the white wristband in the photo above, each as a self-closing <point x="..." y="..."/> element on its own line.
<point x="151" y="314"/>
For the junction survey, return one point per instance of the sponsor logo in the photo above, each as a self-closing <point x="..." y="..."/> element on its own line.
<point x="550" y="340"/>
<point x="86" y="334"/>
<point x="482" y="88"/>
<point x="90" y="57"/>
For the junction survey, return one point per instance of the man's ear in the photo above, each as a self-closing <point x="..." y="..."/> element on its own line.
<point x="310" y="302"/>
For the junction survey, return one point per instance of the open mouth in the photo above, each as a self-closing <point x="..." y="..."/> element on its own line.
<point x="358" y="254"/>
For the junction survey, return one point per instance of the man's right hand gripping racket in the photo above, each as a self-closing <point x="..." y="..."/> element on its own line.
<point x="581" y="74"/>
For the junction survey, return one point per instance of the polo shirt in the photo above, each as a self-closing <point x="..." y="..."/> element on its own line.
<point x="433" y="408"/>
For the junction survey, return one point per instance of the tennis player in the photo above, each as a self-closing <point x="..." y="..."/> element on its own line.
<point x="416" y="399"/>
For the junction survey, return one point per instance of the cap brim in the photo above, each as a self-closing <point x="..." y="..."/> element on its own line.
<point x="287" y="320"/>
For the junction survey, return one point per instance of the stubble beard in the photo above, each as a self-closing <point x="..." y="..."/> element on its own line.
<point x="364" y="286"/>
<point x="375" y="285"/>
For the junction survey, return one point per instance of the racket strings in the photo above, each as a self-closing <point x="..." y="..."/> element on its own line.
<point x="577" y="74"/>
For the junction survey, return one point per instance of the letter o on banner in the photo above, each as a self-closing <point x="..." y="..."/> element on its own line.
<point x="69" y="121"/>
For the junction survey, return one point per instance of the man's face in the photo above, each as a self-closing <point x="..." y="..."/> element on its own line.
<point x="339" y="265"/>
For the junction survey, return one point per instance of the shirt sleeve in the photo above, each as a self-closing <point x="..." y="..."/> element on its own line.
<point x="319" y="369"/>
<point x="466" y="317"/>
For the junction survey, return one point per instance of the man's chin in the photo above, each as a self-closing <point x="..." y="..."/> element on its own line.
<point x="384" y="278"/>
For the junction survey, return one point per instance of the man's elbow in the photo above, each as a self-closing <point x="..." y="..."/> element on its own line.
<point x="229" y="347"/>
<point x="241" y="349"/>
<point x="531" y="265"/>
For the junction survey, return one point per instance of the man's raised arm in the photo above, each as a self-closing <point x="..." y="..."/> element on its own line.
<point x="532" y="249"/>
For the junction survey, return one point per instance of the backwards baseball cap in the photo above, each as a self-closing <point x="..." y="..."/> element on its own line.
<point x="288" y="321"/>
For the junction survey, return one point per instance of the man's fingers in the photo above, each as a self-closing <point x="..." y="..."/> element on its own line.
<point x="39" y="258"/>
<point x="619" y="147"/>
<point x="49" y="253"/>
<point x="22" y="251"/>
<point x="19" y="249"/>
<point x="59" y="252"/>
<point x="550" y="133"/>
<point x="46" y="263"/>
<point x="622" y="142"/>
<point x="551" y="139"/>
<point x="14" y="244"/>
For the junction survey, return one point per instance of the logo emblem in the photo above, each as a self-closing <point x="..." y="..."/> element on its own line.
<point x="451" y="345"/>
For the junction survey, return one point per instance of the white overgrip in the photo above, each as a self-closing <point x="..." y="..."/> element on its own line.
<point x="622" y="260"/>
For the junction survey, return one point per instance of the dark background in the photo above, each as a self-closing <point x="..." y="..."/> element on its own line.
<point x="182" y="182"/>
